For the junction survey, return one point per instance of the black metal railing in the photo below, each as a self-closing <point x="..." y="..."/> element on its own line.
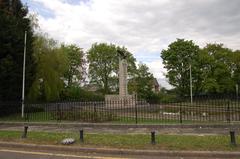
<point x="211" y="109"/>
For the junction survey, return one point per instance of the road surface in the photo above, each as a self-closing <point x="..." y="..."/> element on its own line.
<point x="27" y="154"/>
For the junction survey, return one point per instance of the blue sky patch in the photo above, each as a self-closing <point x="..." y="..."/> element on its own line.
<point x="75" y="2"/>
<point x="145" y="56"/>
<point x="39" y="8"/>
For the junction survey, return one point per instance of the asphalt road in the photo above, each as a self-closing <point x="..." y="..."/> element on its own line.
<point x="26" y="154"/>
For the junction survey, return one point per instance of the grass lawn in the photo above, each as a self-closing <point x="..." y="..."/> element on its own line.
<point x="163" y="121"/>
<point x="126" y="120"/>
<point x="47" y="117"/>
<point x="128" y="141"/>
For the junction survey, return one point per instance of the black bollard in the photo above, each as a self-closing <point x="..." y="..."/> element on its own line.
<point x="233" y="138"/>
<point x="24" y="135"/>
<point x="153" y="139"/>
<point x="81" y="135"/>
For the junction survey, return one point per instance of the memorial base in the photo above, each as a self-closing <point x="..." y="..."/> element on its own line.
<point x="120" y="101"/>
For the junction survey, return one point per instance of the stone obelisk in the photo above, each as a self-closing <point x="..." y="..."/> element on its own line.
<point x="122" y="77"/>
<point x="122" y="99"/>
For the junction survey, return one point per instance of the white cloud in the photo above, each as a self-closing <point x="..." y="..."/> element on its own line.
<point x="157" y="68"/>
<point x="140" y="25"/>
<point x="149" y="25"/>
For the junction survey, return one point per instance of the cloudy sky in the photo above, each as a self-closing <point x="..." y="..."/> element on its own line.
<point x="145" y="27"/>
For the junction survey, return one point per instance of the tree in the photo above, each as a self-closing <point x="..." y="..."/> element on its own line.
<point x="236" y="67"/>
<point x="13" y="24"/>
<point x="177" y="59"/>
<point x="217" y="69"/>
<point x="142" y="83"/>
<point x="76" y="62"/>
<point x="103" y="65"/>
<point x="52" y="64"/>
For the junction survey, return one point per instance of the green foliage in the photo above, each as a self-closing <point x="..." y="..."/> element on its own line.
<point x="83" y="116"/>
<point x="236" y="67"/>
<point x="33" y="109"/>
<point x="163" y="96"/>
<point x="77" y="93"/>
<point x="13" y="24"/>
<point x="142" y="83"/>
<point x="177" y="60"/>
<point x="8" y="108"/>
<point x="101" y="58"/>
<point x="215" y="69"/>
<point x="76" y="70"/>
<point x="103" y="66"/>
<point x="167" y="97"/>
<point x="152" y="98"/>
<point x="51" y="66"/>
<point x="57" y="68"/>
<point x="216" y="65"/>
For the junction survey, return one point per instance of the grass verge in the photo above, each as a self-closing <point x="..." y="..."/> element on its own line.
<point x="128" y="141"/>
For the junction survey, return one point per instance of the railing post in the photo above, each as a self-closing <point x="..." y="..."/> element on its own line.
<point x="228" y="112"/>
<point x="136" y="113"/>
<point x="180" y="113"/>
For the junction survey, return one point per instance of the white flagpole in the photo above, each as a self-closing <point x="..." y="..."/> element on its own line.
<point x="190" y="69"/>
<point x="23" y="81"/>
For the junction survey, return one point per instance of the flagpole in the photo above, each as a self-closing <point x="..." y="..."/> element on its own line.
<point x="23" y="81"/>
<point x="190" y="69"/>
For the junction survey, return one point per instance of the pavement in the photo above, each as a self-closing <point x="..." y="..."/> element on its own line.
<point x="199" y="130"/>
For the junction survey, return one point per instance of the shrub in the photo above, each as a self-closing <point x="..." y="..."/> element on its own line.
<point x="33" y="109"/>
<point x="83" y="115"/>
<point x="8" y="108"/>
<point x="78" y="93"/>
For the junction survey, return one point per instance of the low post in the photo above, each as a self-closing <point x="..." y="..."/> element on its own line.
<point x="24" y="135"/>
<point x="153" y="138"/>
<point x="233" y="138"/>
<point x="81" y="135"/>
